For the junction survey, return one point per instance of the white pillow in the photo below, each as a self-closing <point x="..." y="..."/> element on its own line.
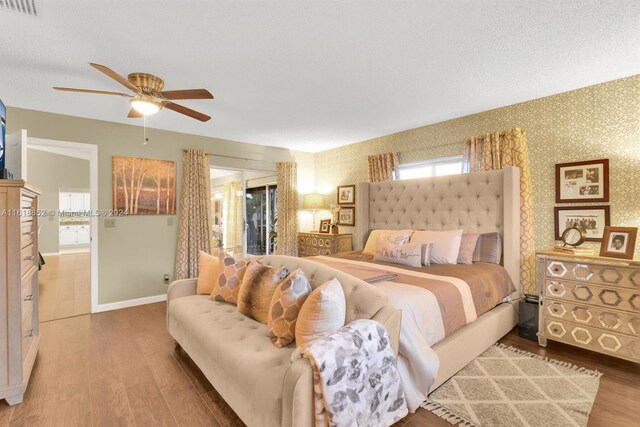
<point x="399" y="237"/>
<point x="408" y="254"/>
<point x="446" y="245"/>
<point x="323" y="311"/>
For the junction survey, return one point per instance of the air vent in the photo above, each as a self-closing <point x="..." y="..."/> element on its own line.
<point x="27" y="7"/>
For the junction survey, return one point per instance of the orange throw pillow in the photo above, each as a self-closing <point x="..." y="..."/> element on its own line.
<point x="208" y="272"/>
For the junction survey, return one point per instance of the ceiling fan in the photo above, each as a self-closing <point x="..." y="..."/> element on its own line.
<point x="149" y="97"/>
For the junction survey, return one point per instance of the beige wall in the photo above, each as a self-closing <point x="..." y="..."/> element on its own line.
<point x="601" y="121"/>
<point x="134" y="256"/>
<point x="52" y="173"/>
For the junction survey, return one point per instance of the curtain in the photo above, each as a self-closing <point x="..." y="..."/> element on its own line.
<point x="494" y="151"/>
<point x="287" y="220"/>
<point x="232" y="198"/>
<point x="383" y="167"/>
<point x="194" y="232"/>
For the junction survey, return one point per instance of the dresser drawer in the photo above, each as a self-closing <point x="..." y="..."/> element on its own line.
<point x="28" y="328"/>
<point x="615" y="344"/>
<point x="599" y="317"/>
<point x="593" y="273"/>
<point x="27" y="258"/>
<point x="27" y="231"/>
<point x="607" y="297"/>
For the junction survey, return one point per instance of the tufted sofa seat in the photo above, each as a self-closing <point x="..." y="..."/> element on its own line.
<point x="264" y="384"/>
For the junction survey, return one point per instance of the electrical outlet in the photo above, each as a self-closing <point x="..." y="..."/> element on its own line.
<point x="166" y="278"/>
<point x="109" y="223"/>
<point x="170" y="221"/>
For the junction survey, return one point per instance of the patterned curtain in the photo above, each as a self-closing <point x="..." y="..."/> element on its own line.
<point x="509" y="148"/>
<point x="194" y="233"/>
<point x="232" y="198"/>
<point x="287" y="194"/>
<point x="383" y="167"/>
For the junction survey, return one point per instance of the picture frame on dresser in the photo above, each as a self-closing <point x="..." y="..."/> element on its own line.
<point x="347" y="216"/>
<point x="591" y="220"/>
<point x="325" y="226"/>
<point x="579" y="182"/>
<point x="346" y="194"/>
<point x="619" y="242"/>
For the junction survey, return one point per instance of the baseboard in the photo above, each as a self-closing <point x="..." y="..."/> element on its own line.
<point x="50" y="254"/>
<point x="130" y="303"/>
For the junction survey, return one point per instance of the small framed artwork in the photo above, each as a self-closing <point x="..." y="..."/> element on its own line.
<point x="325" y="226"/>
<point x="347" y="216"/>
<point x="346" y="194"/>
<point x="591" y="220"/>
<point x="619" y="242"/>
<point x="582" y="181"/>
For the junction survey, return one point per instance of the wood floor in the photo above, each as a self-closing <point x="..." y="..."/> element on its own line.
<point x="121" y="368"/>
<point x="65" y="286"/>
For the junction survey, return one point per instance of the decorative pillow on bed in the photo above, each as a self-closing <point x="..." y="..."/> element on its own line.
<point x="258" y="285"/>
<point x="467" y="248"/>
<point x="446" y="245"/>
<point x="285" y="306"/>
<point x="208" y="272"/>
<point x="407" y="254"/>
<point x="228" y="284"/>
<point x="398" y="237"/>
<point x="489" y="248"/>
<point x="324" y="311"/>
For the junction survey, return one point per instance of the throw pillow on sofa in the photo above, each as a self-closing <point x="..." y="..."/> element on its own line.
<point x="285" y="306"/>
<point x="258" y="285"/>
<point x="208" y="272"/>
<point x="324" y="311"/>
<point x="228" y="284"/>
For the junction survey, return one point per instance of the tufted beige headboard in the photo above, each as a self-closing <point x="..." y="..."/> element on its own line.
<point x="478" y="202"/>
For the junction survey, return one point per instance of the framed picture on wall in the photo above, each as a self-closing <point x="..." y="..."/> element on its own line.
<point x="346" y="194"/>
<point x="591" y="220"/>
<point x="347" y="216"/>
<point x="619" y="242"/>
<point x="582" y="181"/>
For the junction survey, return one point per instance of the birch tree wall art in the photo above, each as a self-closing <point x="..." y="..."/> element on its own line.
<point x="143" y="186"/>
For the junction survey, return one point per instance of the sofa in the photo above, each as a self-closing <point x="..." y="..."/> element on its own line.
<point x="265" y="385"/>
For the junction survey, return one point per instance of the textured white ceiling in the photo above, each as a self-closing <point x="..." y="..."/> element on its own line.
<point x="312" y="75"/>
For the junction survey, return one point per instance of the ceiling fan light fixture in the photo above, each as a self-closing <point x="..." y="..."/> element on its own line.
<point x="145" y="106"/>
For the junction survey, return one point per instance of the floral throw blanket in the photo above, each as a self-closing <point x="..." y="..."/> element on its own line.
<point x="355" y="380"/>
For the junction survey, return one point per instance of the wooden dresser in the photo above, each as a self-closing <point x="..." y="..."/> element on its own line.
<point x="19" y="326"/>
<point x="311" y="243"/>
<point x="590" y="302"/>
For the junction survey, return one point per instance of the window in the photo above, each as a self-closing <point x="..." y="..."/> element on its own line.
<point x="434" y="167"/>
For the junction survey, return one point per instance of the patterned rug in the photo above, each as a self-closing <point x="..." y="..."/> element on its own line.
<point x="505" y="386"/>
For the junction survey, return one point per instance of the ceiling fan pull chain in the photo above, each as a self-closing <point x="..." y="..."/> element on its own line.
<point x="144" y="124"/>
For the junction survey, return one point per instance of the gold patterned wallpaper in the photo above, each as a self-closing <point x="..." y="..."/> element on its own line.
<point x="601" y="121"/>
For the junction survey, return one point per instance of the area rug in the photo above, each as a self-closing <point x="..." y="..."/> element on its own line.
<point x="505" y="386"/>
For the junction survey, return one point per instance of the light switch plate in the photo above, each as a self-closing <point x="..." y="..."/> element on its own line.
<point x="109" y="223"/>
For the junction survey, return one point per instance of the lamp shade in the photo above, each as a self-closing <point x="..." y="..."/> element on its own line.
<point x="314" y="201"/>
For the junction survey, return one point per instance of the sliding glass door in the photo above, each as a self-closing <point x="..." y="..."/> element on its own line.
<point x="261" y="205"/>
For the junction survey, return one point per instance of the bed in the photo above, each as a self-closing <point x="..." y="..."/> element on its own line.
<point x="481" y="202"/>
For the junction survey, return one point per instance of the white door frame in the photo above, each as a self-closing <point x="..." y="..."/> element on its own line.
<point x="92" y="151"/>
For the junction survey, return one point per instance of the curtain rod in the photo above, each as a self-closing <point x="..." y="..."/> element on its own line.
<point x="235" y="157"/>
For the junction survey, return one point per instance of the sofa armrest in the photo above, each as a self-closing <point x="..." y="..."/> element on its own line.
<point x="180" y="288"/>
<point x="390" y="317"/>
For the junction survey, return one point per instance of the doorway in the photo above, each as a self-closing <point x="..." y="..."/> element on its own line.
<point x="66" y="173"/>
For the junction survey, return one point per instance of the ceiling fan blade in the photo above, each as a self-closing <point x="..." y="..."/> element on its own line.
<point x="186" y="111"/>
<point x="100" y="92"/>
<point x="133" y="114"/>
<point x="115" y="76"/>
<point x="187" y="94"/>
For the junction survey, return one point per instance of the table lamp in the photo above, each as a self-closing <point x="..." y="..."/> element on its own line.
<point x="314" y="202"/>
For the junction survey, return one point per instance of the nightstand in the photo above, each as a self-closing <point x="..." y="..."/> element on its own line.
<point x="590" y="302"/>
<point x="311" y="243"/>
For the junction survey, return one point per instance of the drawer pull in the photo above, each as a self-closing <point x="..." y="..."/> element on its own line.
<point x="28" y="233"/>
<point x="29" y="258"/>
<point x="29" y="297"/>
<point x="29" y="333"/>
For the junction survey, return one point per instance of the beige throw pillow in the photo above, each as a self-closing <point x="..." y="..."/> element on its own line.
<point x="467" y="248"/>
<point x="208" y="272"/>
<point x="285" y="306"/>
<point x="228" y="284"/>
<point x="258" y="285"/>
<point x="446" y="245"/>
<point x="399" y="237"/>
<point x="408" y="254"/>
<point x="324" y="311"/>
